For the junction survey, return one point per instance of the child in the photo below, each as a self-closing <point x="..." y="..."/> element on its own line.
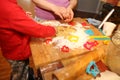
<point x="16" y="28"/>
<point x="55" y="9"/>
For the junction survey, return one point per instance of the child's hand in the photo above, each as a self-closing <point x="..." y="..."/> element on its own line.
<point x="29" y="14"/>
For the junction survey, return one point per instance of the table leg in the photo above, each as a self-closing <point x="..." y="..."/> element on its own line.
<point x="45" y="72"/>
<point x="39" y="74"/>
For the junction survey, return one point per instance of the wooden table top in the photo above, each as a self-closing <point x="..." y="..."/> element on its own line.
<point x="43" y="54"/>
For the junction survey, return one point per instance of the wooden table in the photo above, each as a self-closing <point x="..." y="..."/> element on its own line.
<point x="45" y="54"/>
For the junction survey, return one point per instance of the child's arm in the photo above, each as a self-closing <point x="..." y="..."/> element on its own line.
<point x="20" y="22"/>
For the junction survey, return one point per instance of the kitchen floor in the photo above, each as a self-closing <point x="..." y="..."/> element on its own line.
<point x="5" y="68"/>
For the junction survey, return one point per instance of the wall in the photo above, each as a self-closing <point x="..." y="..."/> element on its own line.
<point x="114" y="2"/>
<point x="91" y="6"/>
<point x="118" y="3"/>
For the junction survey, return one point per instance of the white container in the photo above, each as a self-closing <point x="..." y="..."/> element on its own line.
<point x="108" y="28"/>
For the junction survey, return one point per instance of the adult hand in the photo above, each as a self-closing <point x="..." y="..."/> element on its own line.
<point x="60" y="11"/>
<point x="65" y="14"/>
<point x="70" y="15"/>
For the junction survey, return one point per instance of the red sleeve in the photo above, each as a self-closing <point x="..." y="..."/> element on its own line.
<point x="20" y="22"/>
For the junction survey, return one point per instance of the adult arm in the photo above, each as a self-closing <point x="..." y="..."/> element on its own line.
<point x="70" y="13"/>
<point x="72" y="4"/>
<point x="64" y="13"/>
<point x="58" y="10"/>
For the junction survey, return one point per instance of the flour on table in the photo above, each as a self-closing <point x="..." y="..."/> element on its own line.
<point x="62" y="40"/>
